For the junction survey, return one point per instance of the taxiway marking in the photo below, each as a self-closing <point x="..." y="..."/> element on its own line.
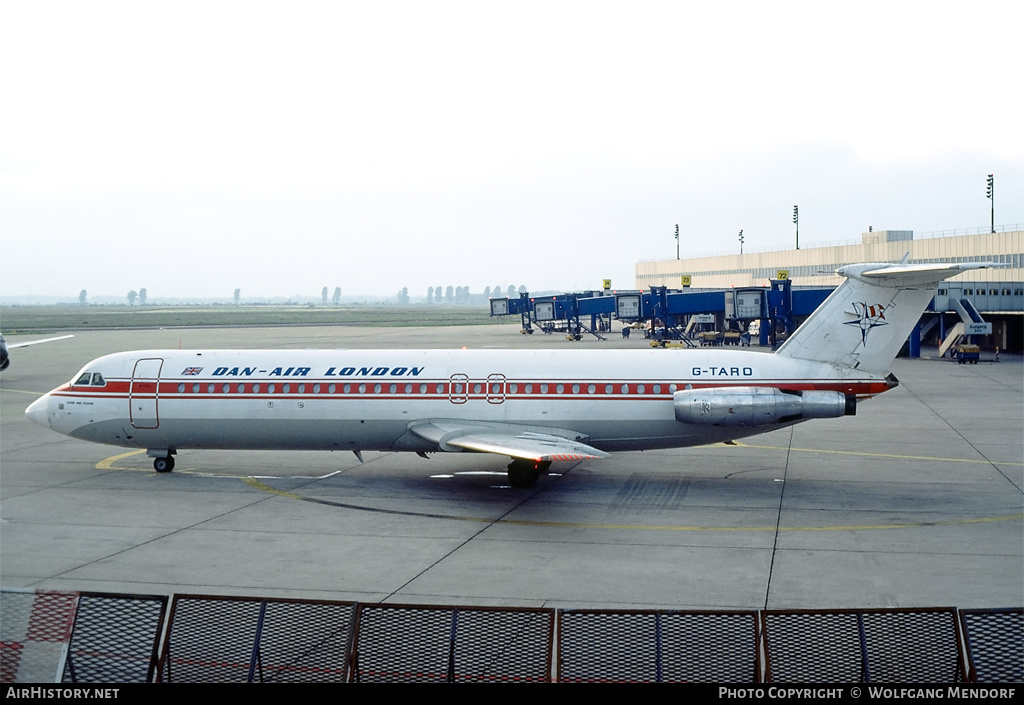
<point x="259" y="484"/>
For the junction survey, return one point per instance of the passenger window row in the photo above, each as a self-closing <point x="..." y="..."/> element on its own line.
<point x="528" y="388"/>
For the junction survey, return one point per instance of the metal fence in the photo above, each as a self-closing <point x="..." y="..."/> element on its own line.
<point x="863" y="646"/>
<point x="106" y="638"/>
<point x="604" y="646"/>
<point x="994" y="642"/>
<point x="406" y="643"/>
<point x="213" y="639"/>
<point x="114" y="639"/>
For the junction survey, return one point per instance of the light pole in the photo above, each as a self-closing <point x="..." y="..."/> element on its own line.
<point x="990" y="194"/>
<point x="796" y="220"/>
<point x="741" y="242"/>
<point x="677" y="240"/>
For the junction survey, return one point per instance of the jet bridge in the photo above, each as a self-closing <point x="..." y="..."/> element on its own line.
<point x="778" y="309"/>
<point x="564" y="311"/>
<point x="667" y="310"/>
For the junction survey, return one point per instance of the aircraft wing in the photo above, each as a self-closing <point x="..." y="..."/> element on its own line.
<point x="517" y="443"/>
<point x="5" y="358"/>
<point x="529" y="446"/>
<point x="33" y="342"/>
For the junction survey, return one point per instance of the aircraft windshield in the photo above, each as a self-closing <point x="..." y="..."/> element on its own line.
<point x="87" y="379"/>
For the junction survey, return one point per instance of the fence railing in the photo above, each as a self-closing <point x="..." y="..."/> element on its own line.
<point x="106" y="638"/>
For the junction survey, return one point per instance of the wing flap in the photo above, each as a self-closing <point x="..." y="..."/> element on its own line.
<point x="517" y="443"/>
<point x="527" y="446"/>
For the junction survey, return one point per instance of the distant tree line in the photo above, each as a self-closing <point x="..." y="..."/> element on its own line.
<point x="336" y="299"/>
<point x="453" y="295"/>
<point x="133" y="297"/>
<point x="460" y="295"/>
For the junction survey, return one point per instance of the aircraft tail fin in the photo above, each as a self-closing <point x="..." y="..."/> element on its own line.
<point x="865" y="321"/>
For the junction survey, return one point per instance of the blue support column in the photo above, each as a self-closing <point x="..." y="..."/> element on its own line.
<point x="915" y="340"/>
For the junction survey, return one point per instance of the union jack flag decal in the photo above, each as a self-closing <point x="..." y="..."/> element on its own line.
<point x="189" y="371"/>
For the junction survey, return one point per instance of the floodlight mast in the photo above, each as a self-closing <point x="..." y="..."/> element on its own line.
<point x="990" y="194"/>
<point x="796" y="221"/>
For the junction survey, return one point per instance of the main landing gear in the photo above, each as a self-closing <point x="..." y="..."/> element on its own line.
<point x="163" y="464"/>
<point x="524" y="473"/>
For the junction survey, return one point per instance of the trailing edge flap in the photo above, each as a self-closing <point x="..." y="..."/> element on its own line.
<point x="507" y="440"/>
<point x="529" y="446"/>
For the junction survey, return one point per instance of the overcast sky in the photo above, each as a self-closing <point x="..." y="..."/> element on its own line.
<point x="192" y="148"/>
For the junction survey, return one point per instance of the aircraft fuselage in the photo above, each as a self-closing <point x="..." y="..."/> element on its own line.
<point x="367" y="399"/>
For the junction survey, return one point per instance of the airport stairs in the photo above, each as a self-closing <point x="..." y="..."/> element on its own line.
<point x="953" y="337"/>
<point x="927" y="327"/>
<point x="968" y="314"/>
<point x="964" y="307"/>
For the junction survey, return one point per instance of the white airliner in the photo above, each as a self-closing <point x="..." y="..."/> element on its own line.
<point x="5" y="358"/>
<point x="535" y="406"/>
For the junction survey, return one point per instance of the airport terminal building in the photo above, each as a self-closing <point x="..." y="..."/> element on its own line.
<point x="998" y="294"/>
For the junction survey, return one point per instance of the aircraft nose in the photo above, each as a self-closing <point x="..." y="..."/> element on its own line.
<point x="37" y="410"/>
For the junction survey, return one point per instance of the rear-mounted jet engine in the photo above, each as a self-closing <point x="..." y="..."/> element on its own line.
<point x="758" y="406"/>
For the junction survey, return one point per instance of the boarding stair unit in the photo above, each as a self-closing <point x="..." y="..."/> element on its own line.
<point x="970" y="323"/>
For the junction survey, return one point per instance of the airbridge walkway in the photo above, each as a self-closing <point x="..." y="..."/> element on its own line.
<point x="780" y="306"/>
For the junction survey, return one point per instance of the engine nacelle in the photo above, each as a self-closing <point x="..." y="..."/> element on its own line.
<point x="759" y="406"/>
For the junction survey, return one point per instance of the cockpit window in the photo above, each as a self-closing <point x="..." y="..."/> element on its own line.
<point x="86" y="379"/>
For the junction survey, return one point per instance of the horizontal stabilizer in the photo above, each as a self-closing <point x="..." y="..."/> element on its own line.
<point x="912" y="274"/>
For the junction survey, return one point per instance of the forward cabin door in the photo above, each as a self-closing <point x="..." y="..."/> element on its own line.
<point x="143" y="394"/>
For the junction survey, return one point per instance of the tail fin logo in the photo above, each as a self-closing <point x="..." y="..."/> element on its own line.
<point x="868" y="316"/>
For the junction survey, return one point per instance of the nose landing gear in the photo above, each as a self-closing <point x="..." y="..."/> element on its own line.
<point x="163" y="464"/>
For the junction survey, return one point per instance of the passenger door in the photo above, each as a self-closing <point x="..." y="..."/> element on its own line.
<point x="144" y="393"/>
